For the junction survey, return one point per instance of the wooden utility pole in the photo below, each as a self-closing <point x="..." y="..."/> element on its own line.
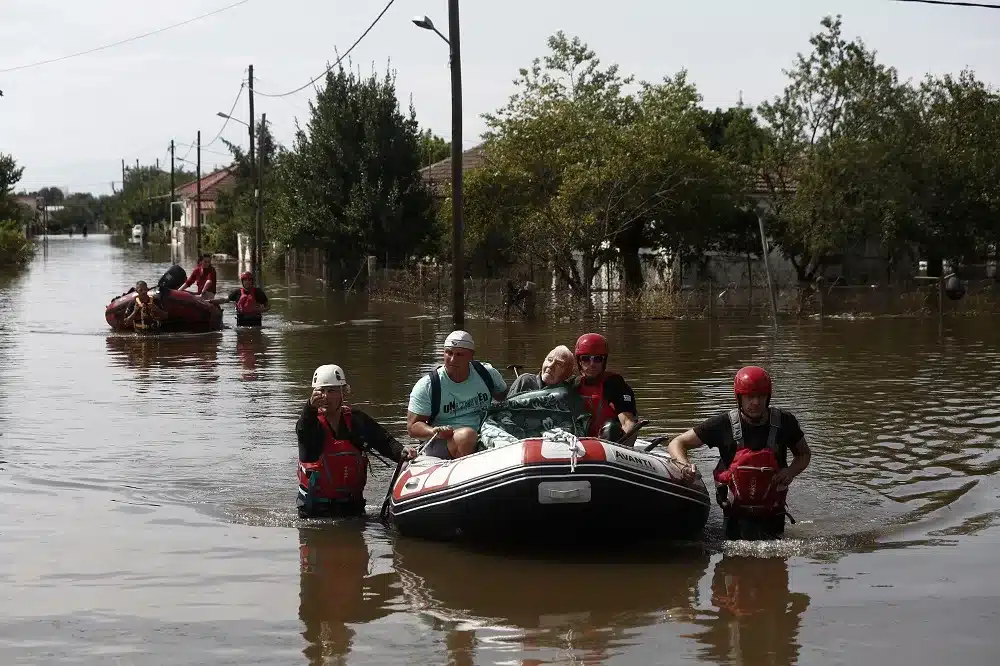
<point x="259" y="225"/>
<point x="254" y="253"/>
<point x="173" y="191"/>
<point x="457" y="231"/>
<point x="197" y="215"/>
<point x="123" y="174"/>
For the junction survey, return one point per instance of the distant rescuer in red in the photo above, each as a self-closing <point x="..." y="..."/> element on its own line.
<point x="204" y="277"/>
<point x="606" y="395"/>
<point x="753" y="473"/>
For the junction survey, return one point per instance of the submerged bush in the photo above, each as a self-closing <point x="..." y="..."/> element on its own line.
<point x="15" y="250"/>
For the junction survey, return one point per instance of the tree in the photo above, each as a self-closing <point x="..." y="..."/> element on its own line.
<point x="954" y="169"/>
<point x="351" y="184"/>
<point x="10" y="176"/>
<point x="433" y="148"/>
<point x="828" y="162"/>
<point x="595" y="173"/>
<point x="236" y="209"/>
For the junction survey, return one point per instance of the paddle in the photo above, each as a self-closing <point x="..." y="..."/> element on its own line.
<point x="656" y="441"/>
<point x="514" y="367"/>
<point x="383" y="513"/>
<point x="632" y="433"/>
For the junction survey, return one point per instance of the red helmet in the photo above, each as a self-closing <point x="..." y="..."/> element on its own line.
<point x="246" y="275"/>
<point x="752" y="380"/>
<point x="591" y="343"/>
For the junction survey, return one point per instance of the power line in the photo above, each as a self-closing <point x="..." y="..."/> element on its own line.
<point x="124" y="41"/>
<point x="954" y="3"/>
<point x="327" y="70"/>
<point x="231" y="110"/>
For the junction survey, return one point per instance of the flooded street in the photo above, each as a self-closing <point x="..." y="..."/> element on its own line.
<point x="148" y="492"/>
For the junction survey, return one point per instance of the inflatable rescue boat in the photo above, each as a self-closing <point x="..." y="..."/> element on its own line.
<point x="186" y="312"/>
<point x="535" y="477"/>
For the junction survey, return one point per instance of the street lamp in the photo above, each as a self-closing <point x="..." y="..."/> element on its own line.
<point x="229" y="117"/>
<point x="453" y="40"/>
<point x="427" y="24"/>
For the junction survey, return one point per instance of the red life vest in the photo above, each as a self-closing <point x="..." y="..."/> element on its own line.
<point x="246" y="302"/>
<point x="750" y="476"/>
<point x="340" y="473"/>
<point x="600" y="410"/>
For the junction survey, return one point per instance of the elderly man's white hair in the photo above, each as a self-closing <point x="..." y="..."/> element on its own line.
<point x="564" y="353"/>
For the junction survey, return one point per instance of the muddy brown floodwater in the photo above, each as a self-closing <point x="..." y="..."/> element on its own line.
<point x="148" y="486"/>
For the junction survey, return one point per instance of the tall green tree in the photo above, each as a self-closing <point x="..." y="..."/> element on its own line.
<point x="592" y="172"/>
<point x="351" y="183"/>
<point x="10" y="176"/>
<point x="829" y="164"/>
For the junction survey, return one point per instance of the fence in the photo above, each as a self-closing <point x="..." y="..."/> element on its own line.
<point x="504" y="298"/>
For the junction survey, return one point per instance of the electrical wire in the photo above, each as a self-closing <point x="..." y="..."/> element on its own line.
<point x="124" y="41"/>
<point x="954" y="3"/>
<point x="328" y="69"/>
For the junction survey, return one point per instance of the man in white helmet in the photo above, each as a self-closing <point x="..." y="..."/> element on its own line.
<point x="450" y="402"/>
<point x="333" y="439"/>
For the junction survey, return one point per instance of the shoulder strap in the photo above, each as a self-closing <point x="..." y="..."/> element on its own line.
<point x="772" y="435"/>
<point x="737" y="424"/>
<point x="435" y="393"/>
<point x="484" y="374"/>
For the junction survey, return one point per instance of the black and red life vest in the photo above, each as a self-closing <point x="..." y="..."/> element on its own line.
<point x="600" y="409"/>
<point x="246" y="302"/>
<point x="750" y="476"/>
<point x="341" y="471"/>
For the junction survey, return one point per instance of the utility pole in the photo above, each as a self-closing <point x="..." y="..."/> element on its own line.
<point x="458" y="271"/>
<point x="254" y="254"/>
<point x="197" y="215"/>
<point x="259" y="225"/>
<point x="173" y="192"/>
<point x="123" y="174"/>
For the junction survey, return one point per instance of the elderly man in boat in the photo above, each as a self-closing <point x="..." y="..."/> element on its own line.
<point x="448" y="404"/>
<point x="556" y="368"/>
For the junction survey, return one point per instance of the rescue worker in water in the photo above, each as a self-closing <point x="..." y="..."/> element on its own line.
<point x="753" y="473"/>
<point x="606" y="395"/>
<point x="333" y="442"/>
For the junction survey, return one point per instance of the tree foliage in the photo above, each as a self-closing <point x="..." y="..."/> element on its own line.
<point x="351" y="184"/>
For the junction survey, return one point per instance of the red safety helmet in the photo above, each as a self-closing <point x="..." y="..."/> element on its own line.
<point x="591" y="343"/>
<point x="246" y="275"/>
<point x="752" y="380"/>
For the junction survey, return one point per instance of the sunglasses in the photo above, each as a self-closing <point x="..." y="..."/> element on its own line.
<point x="590" y="358"/>
<point x="331" y="389"/>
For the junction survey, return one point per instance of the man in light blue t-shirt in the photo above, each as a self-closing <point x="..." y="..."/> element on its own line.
<point x="451" y="408"/>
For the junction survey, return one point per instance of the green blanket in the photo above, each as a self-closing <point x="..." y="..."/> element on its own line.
<point x="530" y="414"/>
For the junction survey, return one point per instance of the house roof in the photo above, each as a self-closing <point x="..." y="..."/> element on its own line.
<point x="439" y="174"/>
<point x="211" y="184"/>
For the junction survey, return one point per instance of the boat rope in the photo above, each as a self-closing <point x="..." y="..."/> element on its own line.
<point x="576" y="447"/>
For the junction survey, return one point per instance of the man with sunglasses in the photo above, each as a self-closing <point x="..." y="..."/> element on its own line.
<point x="333" y="443"/>
<point x="606" y="395"/>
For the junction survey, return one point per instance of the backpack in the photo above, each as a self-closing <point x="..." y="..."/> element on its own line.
<point x="750" y="476"/>
<point x="435" y="378"/>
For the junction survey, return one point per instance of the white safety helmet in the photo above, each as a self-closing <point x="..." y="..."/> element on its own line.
<point x="329" y="375"/>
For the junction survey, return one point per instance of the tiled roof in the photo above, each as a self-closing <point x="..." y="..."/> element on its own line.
<point x="210" y="185"/>
<point x="438" y="175"/>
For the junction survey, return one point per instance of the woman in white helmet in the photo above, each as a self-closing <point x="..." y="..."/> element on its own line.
<point x="333" y="439"/>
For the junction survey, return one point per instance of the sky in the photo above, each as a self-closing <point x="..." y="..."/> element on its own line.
<point x="71" y="122"/>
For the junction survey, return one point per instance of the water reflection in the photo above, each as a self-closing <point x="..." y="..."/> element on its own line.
<point x="757" y="617"/>
<point x="339" y="587"/>
<point x="568" y="606"/>
<point x="251" y="348"/>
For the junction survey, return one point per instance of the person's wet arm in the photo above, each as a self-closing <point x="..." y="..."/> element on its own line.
<point x="309" y="435"/>
<point x="377" y="437"/>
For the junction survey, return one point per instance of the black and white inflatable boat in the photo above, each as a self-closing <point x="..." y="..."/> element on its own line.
<point x="536" y="478"/>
